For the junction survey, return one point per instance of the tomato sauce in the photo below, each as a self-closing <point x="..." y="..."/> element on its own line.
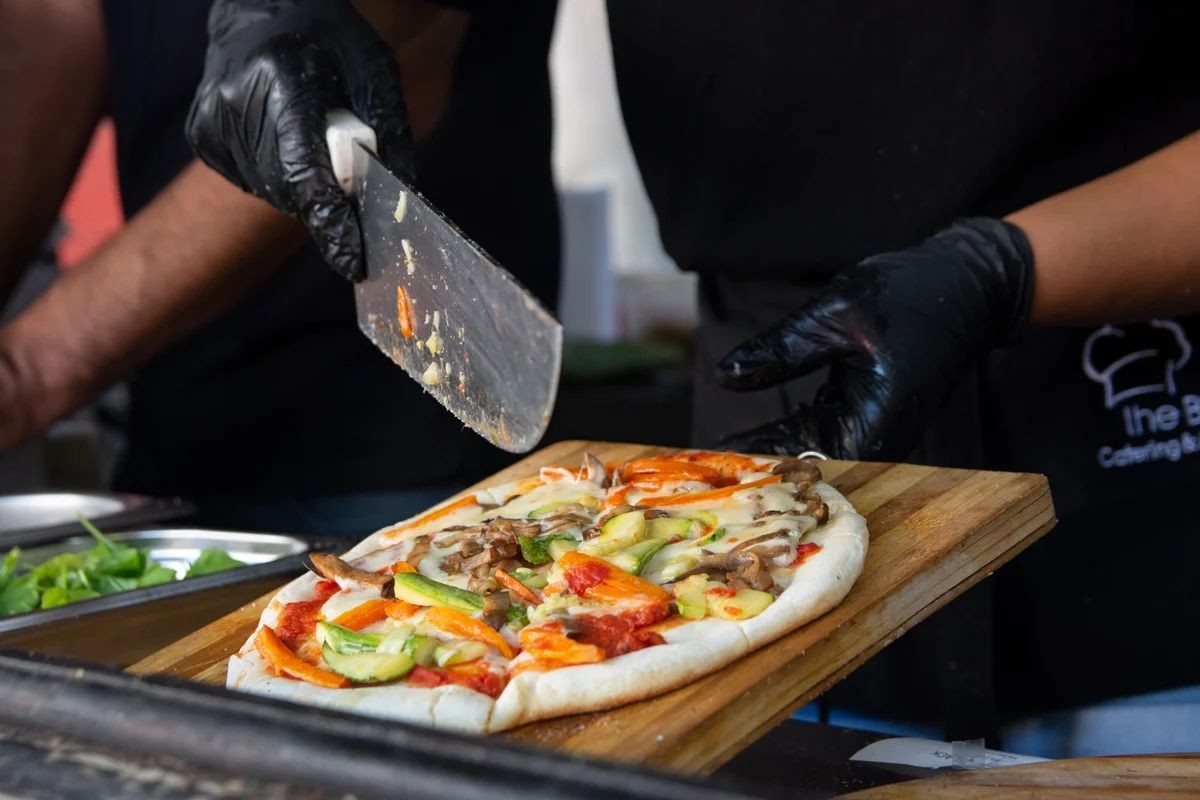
<point x="617" y="634"/>
<point x="298" y="620"/>
<point x="426" y="678"/>
<point x="803" y="551"/>
<point x="582" y="577"/>
<point x="472" y="676"/>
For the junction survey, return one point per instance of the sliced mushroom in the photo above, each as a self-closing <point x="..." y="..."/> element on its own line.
<point x="654" y="513"/>
<point x="332" y="568"/>
<point x="766" y="537"/>
<point x="458" y="533"/>
<point x="483" y="583"/>
<point x="803" y="472"/>
<point x="565" y="517"/>
<point x="495" y="608"/>
<point x="740" y="569"/>
<point x="503" y="527"/>
<point x="751" y="572"/>
<point x="420" y="547"/>
<point x="816" y="508"/>
<point x="594" y="471"/>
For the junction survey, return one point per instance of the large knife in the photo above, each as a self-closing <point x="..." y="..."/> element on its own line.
<point x="436" y="304"/>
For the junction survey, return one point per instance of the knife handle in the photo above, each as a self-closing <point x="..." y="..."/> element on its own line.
<point x="343" y="130"/>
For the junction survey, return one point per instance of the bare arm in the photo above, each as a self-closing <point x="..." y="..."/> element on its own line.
<point x="53" y="74"/>
<point x="191" y="254"/>
<point x="1122" y="247"/>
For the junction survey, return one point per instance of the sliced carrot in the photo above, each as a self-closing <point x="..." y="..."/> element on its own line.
<point x="653" y="481"/>
<point x="404" y="312"/>
<point x="730" y="465"/>
<point x="364" y="614"/>
<point x="617" y="584"/>
<point x="401" y="566"/>
<point x="548" y="642"/>
<point x="461" y="625"/>
<point x="399" y="609"/>
<point x="285" y="662"/>
<point x="516" y="587"/>
<point x="616" y="497"/>
<point x="710" y="495"/>
<point x="669" y="466"/>
<point x="466" y="501"/>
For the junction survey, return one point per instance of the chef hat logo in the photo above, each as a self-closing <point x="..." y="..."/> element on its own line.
<point x="1135" y="360"/>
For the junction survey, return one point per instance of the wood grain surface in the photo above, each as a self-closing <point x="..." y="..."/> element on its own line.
<point x="1132" y="777"/>
<point x="934" y="533"/>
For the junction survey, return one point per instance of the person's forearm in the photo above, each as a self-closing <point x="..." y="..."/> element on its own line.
<point x="1124" y="247"/>
<point x="194" y="252"/>
<point x="53" y="73"/>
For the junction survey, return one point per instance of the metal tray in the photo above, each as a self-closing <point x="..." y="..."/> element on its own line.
<point x="43" y="516"/>
<point x="265" y="554"/>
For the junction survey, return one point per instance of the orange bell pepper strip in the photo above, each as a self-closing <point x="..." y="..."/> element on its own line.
<point x="710" y="495"/>
<point x="730" y="465"/>
<point x="373" y="611"/>
<point x="364" y="614"/>
<point x="547" y="642"/>
<point x="679" y="470"/>
<point x="285" y="662"/>
<point x="401" y="566"/>
<point x="516" y="587"/>
<point x="438" y="513"/>
<point x="616" y="584"/>
<point x="399" y="609"/>
<point x="465" y="627"/>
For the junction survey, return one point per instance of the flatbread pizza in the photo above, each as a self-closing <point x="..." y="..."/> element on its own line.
<point x="573" y="590"/>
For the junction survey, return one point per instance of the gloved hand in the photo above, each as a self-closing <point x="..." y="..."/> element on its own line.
<point x="898" y="330"/>
<point x="273" y="68"/>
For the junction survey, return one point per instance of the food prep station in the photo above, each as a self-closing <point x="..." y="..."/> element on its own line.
<point x="124" y="693"/>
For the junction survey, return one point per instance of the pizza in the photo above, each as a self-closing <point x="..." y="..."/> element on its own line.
<point x="573" y="590"/>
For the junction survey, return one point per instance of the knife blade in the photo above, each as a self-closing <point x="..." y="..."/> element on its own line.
<point x="437" y="305"/>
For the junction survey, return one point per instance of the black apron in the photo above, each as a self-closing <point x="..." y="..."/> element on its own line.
<point x="782" y="141"/>
<point x="283" y="395"/>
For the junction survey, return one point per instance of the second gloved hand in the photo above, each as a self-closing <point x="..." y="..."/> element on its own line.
<point x="898" y="331"/>
<point x="272" y="71"/>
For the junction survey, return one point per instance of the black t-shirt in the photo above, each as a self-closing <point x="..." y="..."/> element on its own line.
<point x="782" y="141"/>
<point x="283" y="394"/>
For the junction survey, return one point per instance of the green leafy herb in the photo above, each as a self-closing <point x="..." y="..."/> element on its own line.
<point x="106" y="568"/>
<point x="210" y="560"/>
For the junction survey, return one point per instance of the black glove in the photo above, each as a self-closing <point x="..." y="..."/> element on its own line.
<point x="898" y="330"/>
<point x="273" y="68"/>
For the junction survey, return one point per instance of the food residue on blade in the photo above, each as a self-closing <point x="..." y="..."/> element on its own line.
<point x="410" y="265"/>
<point x="431" y="375"/>
<point x="462" y="382"/>
<point x="437" y="319"/>
<point x="401" y="207"/>
<point x="434" y="343"/>
<point x="404" y="312"/>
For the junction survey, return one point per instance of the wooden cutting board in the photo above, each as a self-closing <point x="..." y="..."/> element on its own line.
<point x="934" y="533"/>
<point x="1109" y="778"/>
